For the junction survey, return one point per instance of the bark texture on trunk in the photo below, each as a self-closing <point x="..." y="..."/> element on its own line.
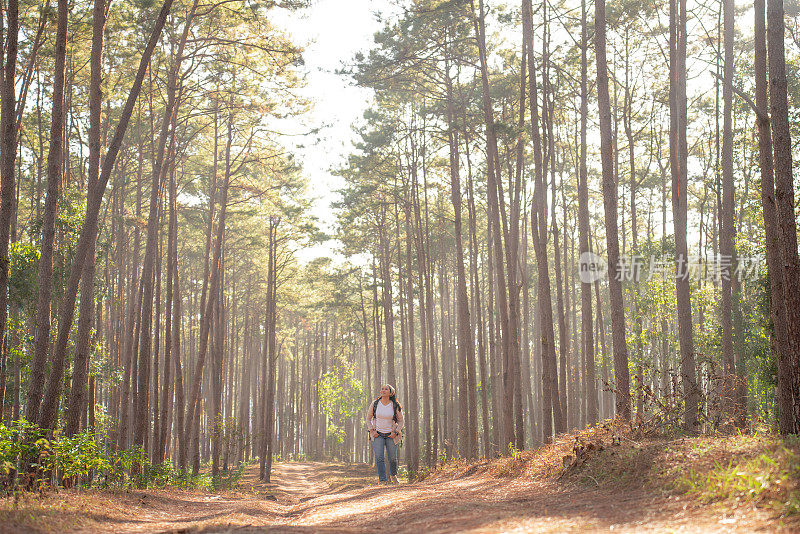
<point x="8" y="154"/>
<point x="55" y="160"/>
<point x="621" y="375"/>
<point x="552" y="409"/>
<point x="769" y="212"/>
<point x="678" y="160"/>
<point x="88" y="233"/>
<point x="727" y="230"/>
<point x="583" y="230"/>
<point x="81" y="364"/>
<point x="784" y="193"/>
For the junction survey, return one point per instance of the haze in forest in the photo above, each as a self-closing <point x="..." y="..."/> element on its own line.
<point x="525" y="266"/>
<point x="334" y="32"/>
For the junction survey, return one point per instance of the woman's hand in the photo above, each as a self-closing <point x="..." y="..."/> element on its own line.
<point x="395" y="434"/>
<point x="373" y="433"/>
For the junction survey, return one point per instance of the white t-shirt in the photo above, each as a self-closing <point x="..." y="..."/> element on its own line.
<point x="384" y="417"/>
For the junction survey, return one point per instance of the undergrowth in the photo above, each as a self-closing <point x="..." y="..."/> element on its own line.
<point x="770" y="477"/>
<point x="34" y="458"/>
<point x="164" y="475"/>
<point x="758" y="468"/>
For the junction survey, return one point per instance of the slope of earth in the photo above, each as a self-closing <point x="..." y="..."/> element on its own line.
<point x="611" y="482"/>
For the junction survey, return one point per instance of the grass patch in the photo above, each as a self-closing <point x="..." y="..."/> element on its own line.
<point x="759" y="469"/>
<point x="762" y="469"/>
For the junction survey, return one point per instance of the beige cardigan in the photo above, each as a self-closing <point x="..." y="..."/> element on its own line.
<point x="397" y="426"/>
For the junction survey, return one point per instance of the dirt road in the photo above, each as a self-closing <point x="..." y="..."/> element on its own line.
<point x="315" y="497"/>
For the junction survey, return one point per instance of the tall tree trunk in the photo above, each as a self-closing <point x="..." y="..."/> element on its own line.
<point x="81" y="363"/>
<point x="583" y="229"/>
<point x="270" y="348"/>
<point x="156" y="413"/>
<point x="365" y="332"/>
<point x="412" y="456"/>
<point x="784" y="194"/>
<point x="406" y="324"/>
<point x="525" y="371"/>
<point x="476" y="296"/>
<point x="493" y="177"/>
<point x="171" y="333"/>
<point x="773" y="250"/>
<point x="218" y="339"/>
<point x="89" y="229"/>
<point x="623" y="394"/>
<point x="491" y="312"/>
<point x="678" y="159"/>
<point x="727" y="229"/>
<point x="159" y="173"/>
<point x="449" y="416"/>
<point x="388" y="313"/>
<point x="549" y="163"/>
<point x="55" y="160"/>
<point x="192" y="408"/>
<point x="468" y="420"/>
<point x="552" y="410"/>
<point x="514" y="358"/>
<point x="427" y="344"/>
<point x="376" y="326"/>
<point x="8" y="154"/>
<point x="429" y="315"/>
<point x="627" y="124"/>
<point x="563" y="329"/>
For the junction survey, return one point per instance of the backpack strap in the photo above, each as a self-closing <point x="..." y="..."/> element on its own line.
<point x="394" y="408"/>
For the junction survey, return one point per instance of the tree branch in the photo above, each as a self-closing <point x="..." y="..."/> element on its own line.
<point x="761" y="114"/>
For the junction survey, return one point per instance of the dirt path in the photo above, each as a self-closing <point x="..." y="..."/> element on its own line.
<point x="315" y="497"/>
<point x="299" y="481"/>
<point x="480" y="505"/>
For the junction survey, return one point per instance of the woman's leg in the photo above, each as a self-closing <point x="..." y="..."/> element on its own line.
<point x="391" y="448"/>
<point x="378" y="445"/>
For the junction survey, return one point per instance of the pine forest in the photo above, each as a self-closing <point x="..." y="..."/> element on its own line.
<point x="535" y="264"/>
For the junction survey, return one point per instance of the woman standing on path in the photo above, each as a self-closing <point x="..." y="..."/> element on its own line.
<point x="384" y="422"/>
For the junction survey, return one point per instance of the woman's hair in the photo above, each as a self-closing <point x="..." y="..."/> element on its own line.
<point x="393" y="396"/>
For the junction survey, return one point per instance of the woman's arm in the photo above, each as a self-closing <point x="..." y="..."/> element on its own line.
<point x="370" y="420"/>
<point x="398" y="426"/>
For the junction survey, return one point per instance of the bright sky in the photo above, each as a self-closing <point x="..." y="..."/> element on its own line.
<point x="332" y="31"/>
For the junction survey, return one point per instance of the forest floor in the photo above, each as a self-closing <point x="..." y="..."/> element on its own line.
<point x="613" y="482"/>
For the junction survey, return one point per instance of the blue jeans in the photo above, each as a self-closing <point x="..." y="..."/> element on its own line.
<point x="378" y="445"/>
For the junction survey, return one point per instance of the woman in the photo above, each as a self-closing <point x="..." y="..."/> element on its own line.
<point x="384" y="422"/>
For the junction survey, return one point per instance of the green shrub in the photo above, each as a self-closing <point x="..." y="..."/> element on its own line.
<point x="87" y="459"/>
